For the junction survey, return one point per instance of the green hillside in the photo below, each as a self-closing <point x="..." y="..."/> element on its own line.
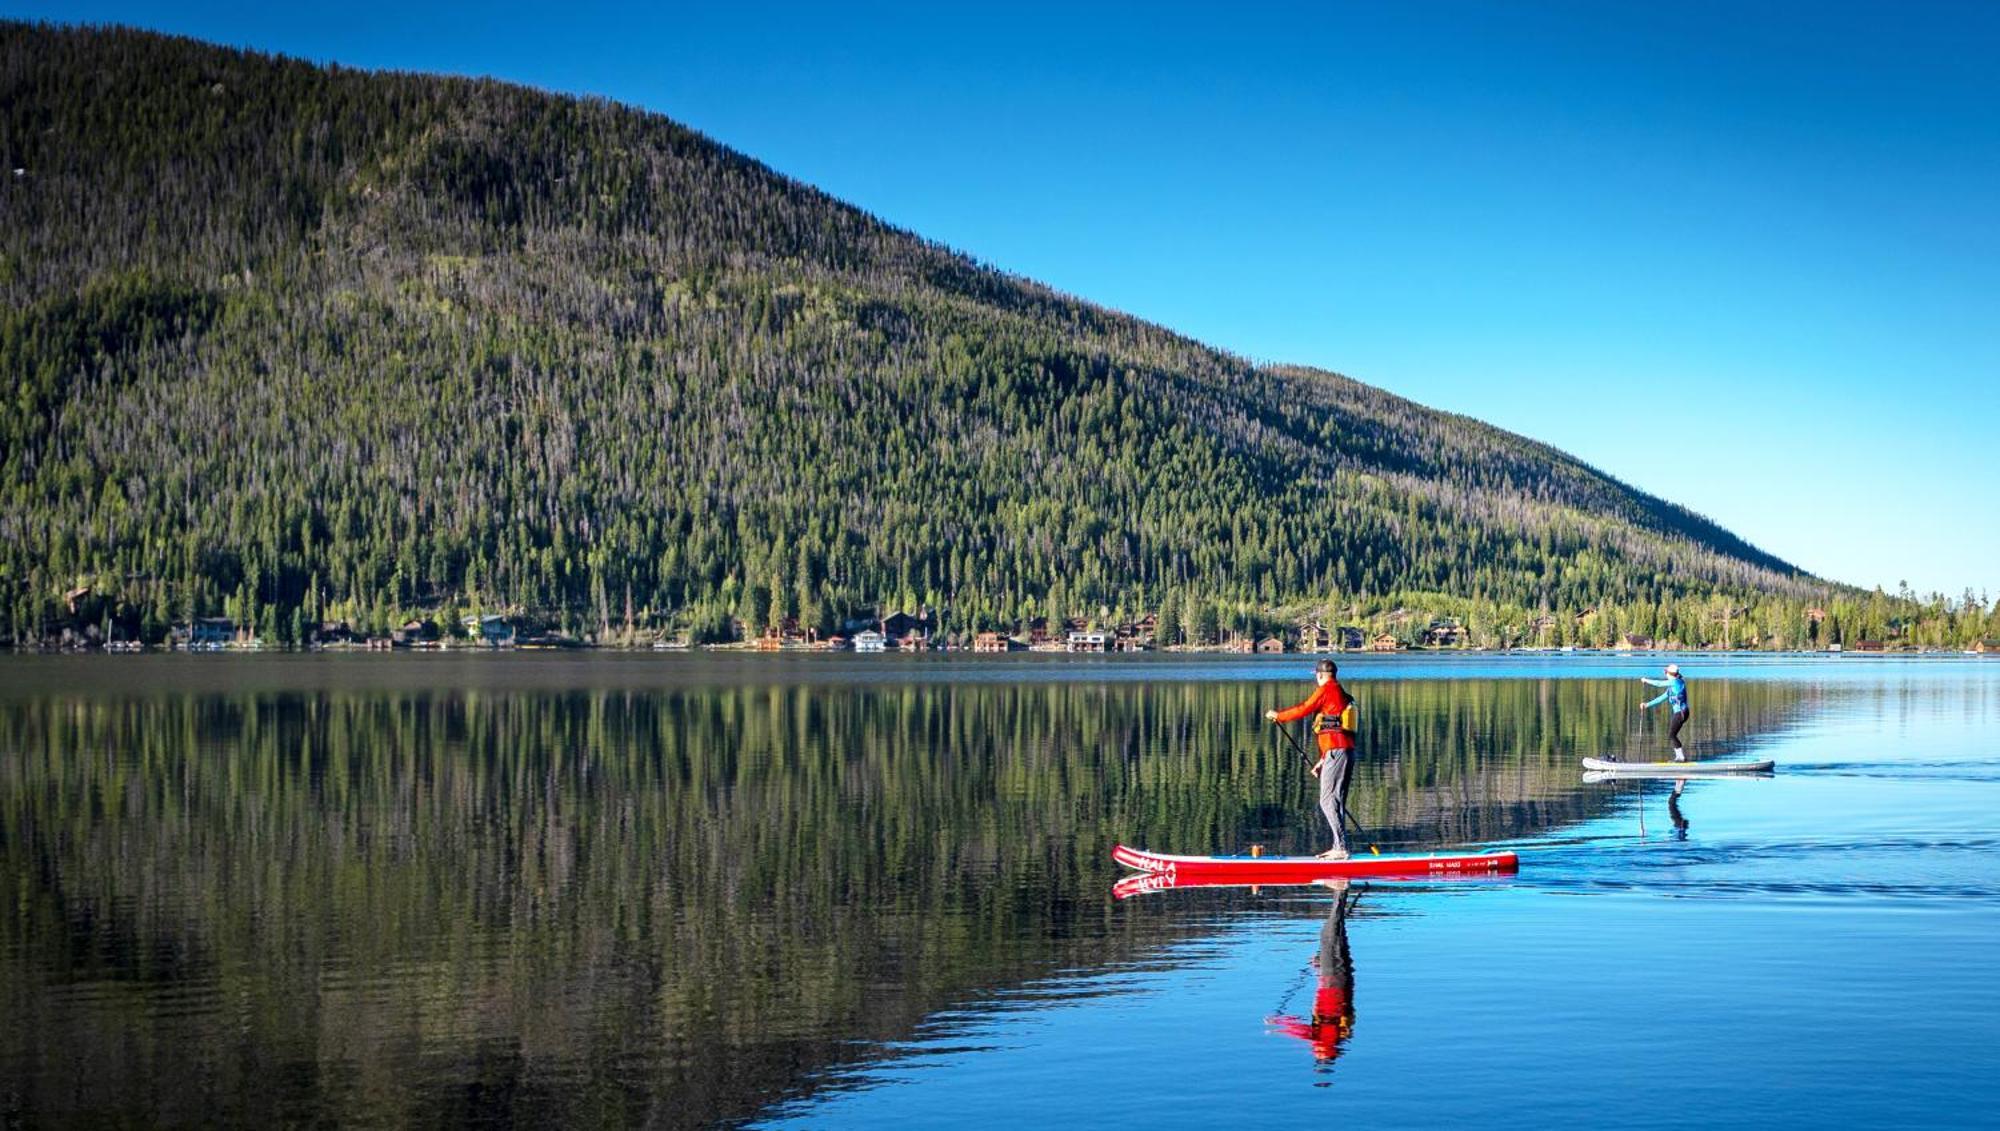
<point x="289" y="343"/>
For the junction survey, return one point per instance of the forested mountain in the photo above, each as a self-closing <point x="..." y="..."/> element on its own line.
<point x="292" y="342"/>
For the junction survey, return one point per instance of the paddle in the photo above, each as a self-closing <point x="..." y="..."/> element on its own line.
<point x="1340" y="804"/>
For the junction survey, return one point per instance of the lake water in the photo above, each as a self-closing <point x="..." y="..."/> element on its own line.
<point x="876" y="891"/>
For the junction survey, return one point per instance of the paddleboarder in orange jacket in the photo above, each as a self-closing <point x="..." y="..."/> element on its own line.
<point x="1336" y="747"/>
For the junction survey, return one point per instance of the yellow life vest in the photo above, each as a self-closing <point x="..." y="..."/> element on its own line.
<point x="1343" y="721"/>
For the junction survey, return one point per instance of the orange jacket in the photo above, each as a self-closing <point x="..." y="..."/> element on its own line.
<point x="1328" y="698"/>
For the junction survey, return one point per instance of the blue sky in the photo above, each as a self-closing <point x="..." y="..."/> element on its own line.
<point x="1744" y="256"/>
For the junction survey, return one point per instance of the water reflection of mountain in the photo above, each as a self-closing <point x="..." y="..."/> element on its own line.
<point x="638" y="905"/>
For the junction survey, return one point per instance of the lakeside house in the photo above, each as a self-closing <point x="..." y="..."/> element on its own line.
<point x="994" y="642"/>
<point x="418" y="633"/>
<point x="1385" y="642"/>
<point x="214" y="631"/>
<point x="205" y="634"/>
<point x="787" y="633"/>
<point x="1085" y="640"/>
<point x="1444" y="632"/>
<point x="1137" y="635"/>
<point x="492" y="630"/>
<point x="1869" y="646"/>
<point x="906" y="632"/>
<point x="1271" y="646"/>
<point x="870" y="640"/>
<point x="1315" y="636"/>
<point x="1988" y="647"/>
<point x="1636" y="642"/>
<point x="332" y="634"/>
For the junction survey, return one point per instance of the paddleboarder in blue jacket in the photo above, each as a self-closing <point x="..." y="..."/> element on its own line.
<point x="1676" y="696"/>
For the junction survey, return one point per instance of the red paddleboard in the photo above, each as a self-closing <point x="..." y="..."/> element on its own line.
<point x="1189" y="871"/>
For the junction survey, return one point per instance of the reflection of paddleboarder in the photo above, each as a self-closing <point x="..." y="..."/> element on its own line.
<point x="1674" y="814"/>
<point x="1676" y="696"/>
<point x="1332" y="1019"/>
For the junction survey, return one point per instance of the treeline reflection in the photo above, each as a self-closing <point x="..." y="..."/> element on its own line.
<point x="668" y="906"/>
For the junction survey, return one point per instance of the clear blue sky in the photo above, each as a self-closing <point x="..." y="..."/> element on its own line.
<point x="1745" y="256"/>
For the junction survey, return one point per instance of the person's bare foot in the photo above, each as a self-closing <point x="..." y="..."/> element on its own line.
<point x="1334" y="854"/>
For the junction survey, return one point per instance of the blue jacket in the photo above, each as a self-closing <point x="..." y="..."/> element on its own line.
<point x="1676" y="690"/>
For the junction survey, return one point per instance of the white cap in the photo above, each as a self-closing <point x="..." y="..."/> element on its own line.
<point x="1673" y="669"/>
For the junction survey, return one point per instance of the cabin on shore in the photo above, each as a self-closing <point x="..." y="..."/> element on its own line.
<point x="907" y="632"/>
<point x="1086" y="640"/>
<point x="413" y="632"/>
<point x="1636" y="642"/>
<point x="1988" y="647"/>
<point x="332" y="633"/>
<point x="993" y="642"/>
<point x="205" y="633"/>
<point x="870" y="641"/>
<point x="1271" y="646"/>
<point x="1136" y="636"/>
<point x="490" y="629"/>
<point x="1444" y="633"/>
<point x="1869" y="646"/>
<point x="1385" y="642"/>
<point x="787" y="633"/>
<point x="1315" y="636"/>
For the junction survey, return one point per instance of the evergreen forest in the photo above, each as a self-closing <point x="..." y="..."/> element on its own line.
<point x="295" y="344"/>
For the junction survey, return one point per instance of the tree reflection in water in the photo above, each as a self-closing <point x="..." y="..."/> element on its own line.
<point x="665" y="904"/>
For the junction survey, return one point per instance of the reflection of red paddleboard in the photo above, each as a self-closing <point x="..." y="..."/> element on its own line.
<point x="1191" y="871"/>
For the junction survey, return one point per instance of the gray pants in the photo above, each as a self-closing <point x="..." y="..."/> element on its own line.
<point x="1334" y="773"/>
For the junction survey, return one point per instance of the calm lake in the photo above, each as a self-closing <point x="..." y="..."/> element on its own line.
<point x="876" y="891"/>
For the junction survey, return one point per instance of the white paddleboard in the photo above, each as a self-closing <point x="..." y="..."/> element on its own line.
<point x="1676" y="769"/>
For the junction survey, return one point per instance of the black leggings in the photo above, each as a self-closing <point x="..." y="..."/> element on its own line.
<point x="1674" y="732"/>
